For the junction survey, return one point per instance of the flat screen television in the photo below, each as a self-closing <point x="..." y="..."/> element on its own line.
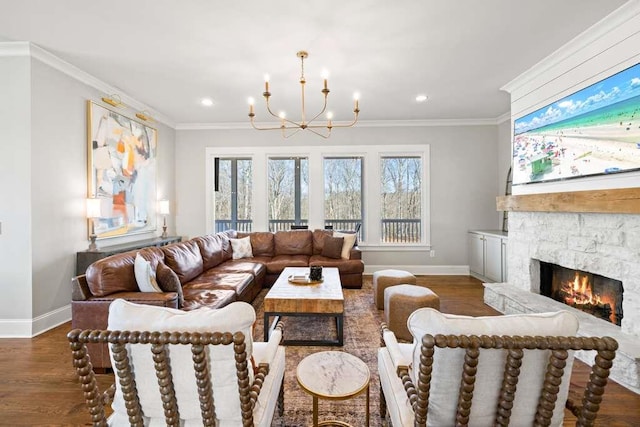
<point x="591" y="132"/>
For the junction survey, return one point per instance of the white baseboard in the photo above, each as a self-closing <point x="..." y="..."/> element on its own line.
<point x="29" y="328"/>
<point x="423" y="270"/>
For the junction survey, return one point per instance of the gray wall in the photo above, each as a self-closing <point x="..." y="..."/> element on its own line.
<point x="463" y="173"/>
<point x="43" y="158"/>
<point x="15" y="190"/>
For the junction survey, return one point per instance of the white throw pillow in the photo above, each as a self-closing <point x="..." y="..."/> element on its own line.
<point x="145" y="276"/>
<point x="237" y="316"/>
<point x="349" y="241"/>
<point x="241" y="248"/>
<point x="448" y="363"/>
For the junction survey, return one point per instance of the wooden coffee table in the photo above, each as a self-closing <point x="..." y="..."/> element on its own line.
<point x="323" y="299"/>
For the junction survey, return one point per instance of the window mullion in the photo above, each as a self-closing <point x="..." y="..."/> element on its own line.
<point x="297" y="192"/>
<point x="234" y="193"/>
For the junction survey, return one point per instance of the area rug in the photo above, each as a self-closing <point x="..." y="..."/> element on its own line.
<point x="361" y="338"/>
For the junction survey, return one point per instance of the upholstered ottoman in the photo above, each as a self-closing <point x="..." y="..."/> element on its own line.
<point x="384" y="278"/>
<point x="402" y="300"/>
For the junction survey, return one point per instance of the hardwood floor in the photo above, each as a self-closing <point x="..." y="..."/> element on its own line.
<point x="38" y="385"/>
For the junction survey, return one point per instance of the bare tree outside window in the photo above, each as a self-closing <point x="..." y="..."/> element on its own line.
<point x="234" y="196"/>
<point x="401" y="199"/>
<point x="343" y="193"/>
<point x="288" y="192"/>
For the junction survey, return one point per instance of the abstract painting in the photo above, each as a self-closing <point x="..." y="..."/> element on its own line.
<point x="121" y="172"/>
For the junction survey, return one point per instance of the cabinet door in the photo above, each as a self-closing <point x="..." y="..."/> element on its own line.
<point x="493" y="258"/>
<point x="476" y="253"/>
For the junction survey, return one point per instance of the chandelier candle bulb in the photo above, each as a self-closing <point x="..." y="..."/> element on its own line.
<point x="325" y="77"/>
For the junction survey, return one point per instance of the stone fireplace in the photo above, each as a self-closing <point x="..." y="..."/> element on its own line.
<point x="597" y="244"/>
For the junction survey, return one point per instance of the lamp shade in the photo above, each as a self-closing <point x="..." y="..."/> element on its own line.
<point x="163" y="207"/>
<point x="93" y="208"/>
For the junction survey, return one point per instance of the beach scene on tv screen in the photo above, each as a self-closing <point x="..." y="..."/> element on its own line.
<point x="591" y="132"/>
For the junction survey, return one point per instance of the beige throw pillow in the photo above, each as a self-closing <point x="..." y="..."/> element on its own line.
<point x="241" y="248"/>
<point x="349" y="241"/>
<point x="145" y="276"/>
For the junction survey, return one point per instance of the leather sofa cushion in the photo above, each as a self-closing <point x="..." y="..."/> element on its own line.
<point x="298" y="242"/>
<point x="211" y="298"/>
<point x="279" y="262"/>
<point x="318" y="240"/>
<point x="345" y="266"/>
<point x="214" y="248"/>
<point x="184" y="259"/>
<point x="154" y="255"/>
<point x="244" y="265"/>
<point x="210" y="279"/>
<point x="262" y="242"/>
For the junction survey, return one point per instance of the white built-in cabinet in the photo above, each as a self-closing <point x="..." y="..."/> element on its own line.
<point x="488" y="255"/>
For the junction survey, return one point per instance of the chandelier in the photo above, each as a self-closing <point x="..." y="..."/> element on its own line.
<point x="291" y="127"/>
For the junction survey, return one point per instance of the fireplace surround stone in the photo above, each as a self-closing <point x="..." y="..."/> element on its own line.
<point x="601" y="243"/>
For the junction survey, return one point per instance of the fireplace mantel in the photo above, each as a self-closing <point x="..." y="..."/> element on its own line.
<point x="621" y="200"/>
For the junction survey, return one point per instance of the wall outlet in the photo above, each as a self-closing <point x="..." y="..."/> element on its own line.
<point x="432" y="253"/>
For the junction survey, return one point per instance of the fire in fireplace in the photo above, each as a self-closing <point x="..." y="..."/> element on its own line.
<point x="594" y="294"/>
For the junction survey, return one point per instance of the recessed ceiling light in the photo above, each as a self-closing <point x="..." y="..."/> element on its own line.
<point x="421" y="98"/>
<point x="207" y="102"/>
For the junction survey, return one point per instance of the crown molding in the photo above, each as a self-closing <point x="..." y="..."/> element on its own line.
<point x="361" y="124"/>
<point x="503" y="118"/>
<point x="14" y="49"/>
<point x="610" y="22"/>
<point x="22" y="48"/>
<point x="46" y="57"/>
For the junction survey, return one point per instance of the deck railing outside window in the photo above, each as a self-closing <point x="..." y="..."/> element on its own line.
<point x="401" y="230"/>
<point x="393" y="230"/>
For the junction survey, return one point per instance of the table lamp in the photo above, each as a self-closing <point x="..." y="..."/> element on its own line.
<point x="93" y="212"/>
<point x="163" y="209"/>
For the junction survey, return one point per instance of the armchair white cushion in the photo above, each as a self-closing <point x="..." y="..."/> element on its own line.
<point x="448" y="363"/>
<point x="237" y="316"/>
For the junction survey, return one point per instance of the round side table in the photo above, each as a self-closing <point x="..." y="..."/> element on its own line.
<point x="333" y="375"/>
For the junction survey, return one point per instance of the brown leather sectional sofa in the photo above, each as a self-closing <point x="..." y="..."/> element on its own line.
<point x="200" y="273"/>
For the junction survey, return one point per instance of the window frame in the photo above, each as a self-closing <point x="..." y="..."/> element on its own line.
<point x="234" y="189"/>
<point x="298" y="206"/>
<point x="362" y="233"/>
<point x="371" y="155"/>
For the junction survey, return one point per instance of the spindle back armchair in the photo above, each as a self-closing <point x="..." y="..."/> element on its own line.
<point x="183" y="378"/>
<point x="488" y="379"/>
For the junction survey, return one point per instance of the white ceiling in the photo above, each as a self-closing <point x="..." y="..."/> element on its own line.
<point x="170" y="54"/>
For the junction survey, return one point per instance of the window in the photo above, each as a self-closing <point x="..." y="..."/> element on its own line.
<point x="401" y="199"/>
<point x="288" y="188"/>
<point x="343" y="193"/>
<point x="383" y="189"/>
<point x="234" y="194"/>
